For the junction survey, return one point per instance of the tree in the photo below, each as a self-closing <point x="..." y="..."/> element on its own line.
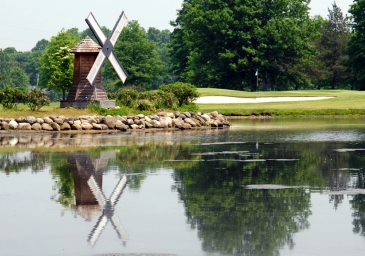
<point x="356" y="46"/>
<point x="11" y="73"/>
<point x="139" y="57"/>
<point x="162" y="39"/>
<point x="333" y="46"/>
<point x="227" y="41"/>
<point x="57" y="63"/>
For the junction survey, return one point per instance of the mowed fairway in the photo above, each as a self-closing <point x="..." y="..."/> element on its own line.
<point x="344" y="102"/>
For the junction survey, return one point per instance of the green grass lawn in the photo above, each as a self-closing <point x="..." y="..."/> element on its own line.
<point x="346" y="103"/>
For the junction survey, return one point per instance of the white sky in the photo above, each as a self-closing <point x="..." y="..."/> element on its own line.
<point x="24" y="22"/>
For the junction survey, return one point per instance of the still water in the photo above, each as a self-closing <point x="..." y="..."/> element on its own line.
<point x="262" y="187"/>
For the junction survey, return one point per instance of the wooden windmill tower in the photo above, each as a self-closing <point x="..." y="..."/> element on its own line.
<point x="87" y="85"/>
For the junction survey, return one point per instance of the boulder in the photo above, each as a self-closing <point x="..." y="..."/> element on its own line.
<point x="13" y="125"/>
<point x="36" y="127"/>
<point x="24" y="126"/>
<point x="65" y="127"/>
<point x="39" y="121"/>
<point x="47" y="120"/>
<point x="31" y="119"/>
<point x="46" y="127"/>
<point x="76" y="126"/>
<point x="121" y="126"/>
<point x="56" y="127"/>
<point x="86" y="126"/>
<point x="110" y="122"/>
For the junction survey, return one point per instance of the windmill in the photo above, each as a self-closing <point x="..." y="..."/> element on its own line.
<point x="107" y="44"/>
<point x="89" y="59"/>
<point x="108" y="207"/>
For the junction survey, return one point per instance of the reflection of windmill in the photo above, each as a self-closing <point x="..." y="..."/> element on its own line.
<point x="107" y="206"/>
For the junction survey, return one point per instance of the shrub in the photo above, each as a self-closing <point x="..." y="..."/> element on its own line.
<point x="10" y="97"/>
<point x="36" y="99"/>
<point x="161" y="99"/>
<point x="145" y="105"/>
<point x="185" y="93"/>
<point x="126" y="97"/>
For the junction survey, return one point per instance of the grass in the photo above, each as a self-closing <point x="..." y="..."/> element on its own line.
<point x="344" y="103"/>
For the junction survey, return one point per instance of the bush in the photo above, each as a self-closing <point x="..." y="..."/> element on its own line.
<point x="36" y="99"/>
<point x="127" y="97"/>
<point x="145" y="105"/>
<point x="10" y="97"/>
<point x="185" y="93"/>
<point x="161" y="99"/>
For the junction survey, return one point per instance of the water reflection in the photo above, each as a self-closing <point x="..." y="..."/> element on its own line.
<point x="242" y="194"/>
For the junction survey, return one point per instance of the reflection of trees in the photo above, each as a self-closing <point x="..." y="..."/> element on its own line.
<point x="22" y="161"/>
<point x="231" y="219"/>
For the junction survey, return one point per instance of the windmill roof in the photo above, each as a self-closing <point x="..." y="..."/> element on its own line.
<point x="87" y="45"/>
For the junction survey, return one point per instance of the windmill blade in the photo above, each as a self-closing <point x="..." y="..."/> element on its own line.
<point x="97" y="191"/>
<point x="117" y="224"/>
<point x="96" y="68"/>
<point x="121" y="72"/>
<point x="121" y="23"/>
<point x="98" y="228"/>
<point x="118" y="190"/>
<point x="95" y="28"/>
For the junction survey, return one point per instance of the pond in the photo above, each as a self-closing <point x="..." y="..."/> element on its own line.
<point x="261" y="187"/>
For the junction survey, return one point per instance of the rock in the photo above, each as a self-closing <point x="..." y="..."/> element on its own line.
<point x="206" y="117"/>
<point x="58" y="121"/>
<point x="76" y="126"/>
<point x="39" y="121"/>
<point x="130" y="121"/>
<point x="134" y="126"/>
<point x="187" y="114"/>
<point x="55" y="126"/>
<point x="24" y="126"/>
<point x="36" y="127"/>
<point x="13" y="125"/>
<point x="20" y="119"/>
<point x="177" y="122"/>
<point x="31" y="119"/>
<point x="97" y="126"/>
<point x="78" y="122"/>
<point x="47" y="120"/>
<point x="214" y="114"/>
<point x="104" y="127"/>
<point x="170" y="114"/>
<point x="190" y="121"/>
<point x="148" y="119"/>
<point x="148" y="124"/>
<point x="121" y="126"/>
<point x="110" y="122"/>
<point x="185" y="126"/>
<point x="86" y="126"/>
<point x="4" y="125"/>
<point x="140" y="116"/>
<point x="65" y="127"/>
<point x="156" y="124"/>
<point x="196" y="121"/>
<point x="47" y="127"/>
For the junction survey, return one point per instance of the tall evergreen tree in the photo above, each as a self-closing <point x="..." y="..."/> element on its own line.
<point x="356" y="46"/>
<point x="223" y="43"/>
<point x="333" y="46"/>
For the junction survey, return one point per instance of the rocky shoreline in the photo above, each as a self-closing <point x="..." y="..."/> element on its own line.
<point x="161" y="120"/>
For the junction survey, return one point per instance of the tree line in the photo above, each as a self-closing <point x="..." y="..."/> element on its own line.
<point x="255" y="45"/>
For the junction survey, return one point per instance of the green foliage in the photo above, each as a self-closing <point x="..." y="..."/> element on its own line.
<point x="36" y="99"/>
<point x="10" y="97"/>
<point x="57" y="63"/>
<point x="139" y="57"/>
<point x="222" y="43"/>
<point x="161" y="99"/>
<point x="330" y="70"/>
<point x="356" y="46"/>
<point x="11" y="73"/>
<point x="185" y="93"/>
<point x="126" y="96"/>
